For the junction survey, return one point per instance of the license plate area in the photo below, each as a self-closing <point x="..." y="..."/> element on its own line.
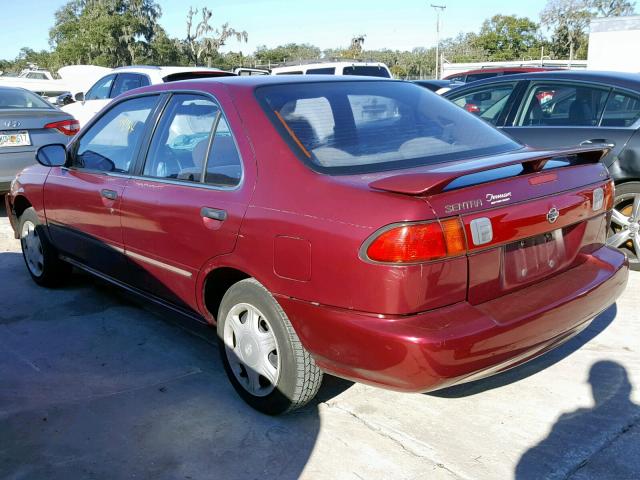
<point x="531" y="258"/>
<point x="19" y="138"/>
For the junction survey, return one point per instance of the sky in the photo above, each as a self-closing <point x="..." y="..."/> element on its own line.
<point x="399" y="24"/>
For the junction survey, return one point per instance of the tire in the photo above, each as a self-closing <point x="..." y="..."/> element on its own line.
<point x="248" y="314"/>
<point x="623" y="233"/>
<point x="40" y="256"/>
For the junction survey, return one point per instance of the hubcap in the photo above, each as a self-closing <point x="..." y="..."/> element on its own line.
<point x="625" y="226"/>
<point x="32" y="248"/>
<point x="251" y="349"/>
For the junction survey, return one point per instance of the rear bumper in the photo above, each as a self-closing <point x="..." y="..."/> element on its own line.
<point x="461" y="342"/>
<point x="11" y="163"/>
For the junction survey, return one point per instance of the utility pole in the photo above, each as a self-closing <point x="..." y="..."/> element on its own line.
<point x="438" y="9"/>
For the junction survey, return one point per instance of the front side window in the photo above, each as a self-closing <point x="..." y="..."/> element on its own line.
<point x="101" y="89"/>
<point x="111" y="143"/>
<point x="128" y="81"/>
<point x="563" y="105"/>
<point x="488" y="103"/>
<point x="622" y="110"/>
<point x="179" y="146"/>
<point x="368" y="126"/>
<point x="37" y="76"/>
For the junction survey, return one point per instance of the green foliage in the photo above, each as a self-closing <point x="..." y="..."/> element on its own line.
<point x="286" y="53"/>
<point x="507" y="37"/>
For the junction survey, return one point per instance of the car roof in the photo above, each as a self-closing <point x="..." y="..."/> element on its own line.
<point x="164" y="70"/>
<point x="614" y="79"/>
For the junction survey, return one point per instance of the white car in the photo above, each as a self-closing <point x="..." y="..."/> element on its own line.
<point x="123" y="79"/>
<point x="369" y="69"/>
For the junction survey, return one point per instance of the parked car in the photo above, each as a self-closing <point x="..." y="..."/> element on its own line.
<point x="367" y="69"/>
<point x="26" y="123"/>
<point x="362" y="227"/>
<point x="563" y="108"/>
<point x="438" y="86"/>
<point x="483" y="73"/>
<point x="123" y="79"/>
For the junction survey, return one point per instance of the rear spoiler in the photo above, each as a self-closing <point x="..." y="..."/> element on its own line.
<point x="434" y="180"/>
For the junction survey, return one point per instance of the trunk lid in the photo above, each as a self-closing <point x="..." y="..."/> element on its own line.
<point x="32" y="121"/>
<point x="525" y="217"/>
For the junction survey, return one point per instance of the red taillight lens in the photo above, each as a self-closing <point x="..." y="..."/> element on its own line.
<point x="472" y="107"/>
<point x="609" y="195"/>
<point x="68" y="127"/>
<point x="418" y="242"/>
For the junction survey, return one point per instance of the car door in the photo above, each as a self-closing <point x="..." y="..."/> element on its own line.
<point x="82" y="200"/>
<point x="96" y="98"/>
<point x="128" y="81"/>
<point x="187" y="201"/>
<point x="561" y="114"/>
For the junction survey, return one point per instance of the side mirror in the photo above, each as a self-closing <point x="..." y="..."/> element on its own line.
<point x="54" y="155"/>
<point x="64" y="99"/>
<point x="79" y="97"/>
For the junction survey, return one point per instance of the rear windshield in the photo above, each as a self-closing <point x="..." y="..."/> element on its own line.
<point x="366" y="71"/>
<point x="368" y="126"/>
<point x="17" y="98"/>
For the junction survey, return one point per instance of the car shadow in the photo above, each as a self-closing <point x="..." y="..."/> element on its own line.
<point x="94" y="386"/>
<point x="573" y="439"/>
<point x="599" y="324"/>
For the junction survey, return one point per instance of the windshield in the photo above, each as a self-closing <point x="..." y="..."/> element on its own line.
<point x="369" y="126"/>
<point x="17" y="98"/>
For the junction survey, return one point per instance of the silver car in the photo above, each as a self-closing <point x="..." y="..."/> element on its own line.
<point x="26" y="123"/>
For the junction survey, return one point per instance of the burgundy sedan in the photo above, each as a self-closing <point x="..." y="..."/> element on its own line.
<point x="365" y="228"/>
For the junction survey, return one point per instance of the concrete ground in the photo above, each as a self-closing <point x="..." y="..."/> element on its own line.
<point x="95" y="385"/>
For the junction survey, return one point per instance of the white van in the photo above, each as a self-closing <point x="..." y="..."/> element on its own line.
<point x="369" y="69"/>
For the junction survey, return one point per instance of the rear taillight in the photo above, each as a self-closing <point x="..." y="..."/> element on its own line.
<point x="472" y="108"/>
<point x="603" y="197"/>
<point x="68" y="127"/>
<point x="418" y="242"/>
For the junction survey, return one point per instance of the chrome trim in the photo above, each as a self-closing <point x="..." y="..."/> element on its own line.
<point x="170" y="181"/>
<point x="157" y="263"/>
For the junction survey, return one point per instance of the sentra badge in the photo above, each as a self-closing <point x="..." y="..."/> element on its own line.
<point x="457" y="207"/>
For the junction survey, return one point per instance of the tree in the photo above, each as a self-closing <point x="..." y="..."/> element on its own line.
<point x="285" y="53"/>
<point x="355" y="48"/>
<point x="568" y="19"/>
<point x="200" y="44"/>
<point x="611" y="8"/>
<point x="507" y="37"/>
<point x="104" y="32"/>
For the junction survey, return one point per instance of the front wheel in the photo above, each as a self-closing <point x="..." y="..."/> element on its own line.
<point x="40" y="257"/>
<point x="261" y="353"/>
<point x="624" y="233"/>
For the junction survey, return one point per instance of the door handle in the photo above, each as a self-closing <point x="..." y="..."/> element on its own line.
<point x="110" y="194"/>
<point x="598" y="141"/>
<point x="213" y="213"/>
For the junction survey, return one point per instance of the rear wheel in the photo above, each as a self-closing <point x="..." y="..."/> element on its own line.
<point x="40" y="257"/>
<point x="625" y="222"/>
<point x="261" y="353"/>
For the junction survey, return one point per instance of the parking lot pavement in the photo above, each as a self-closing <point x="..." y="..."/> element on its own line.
<point x="95" y="385"/>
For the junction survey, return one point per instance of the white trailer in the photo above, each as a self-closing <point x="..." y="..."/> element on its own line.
<point x="613" y="44"/>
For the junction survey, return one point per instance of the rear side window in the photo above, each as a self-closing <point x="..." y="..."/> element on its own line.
<point x="488" y="103"/>
<point x="111" y="143"/>
<point x="622" y="110"/>
<point x="563" y="105"/>
<point x="368" y="126"/>
<point x="128" y="81"/>
<point x="223" y="165"/>
<point x="179" y="145"/>
<point x="321" y="71"/>
<point x="366" y="71"/>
